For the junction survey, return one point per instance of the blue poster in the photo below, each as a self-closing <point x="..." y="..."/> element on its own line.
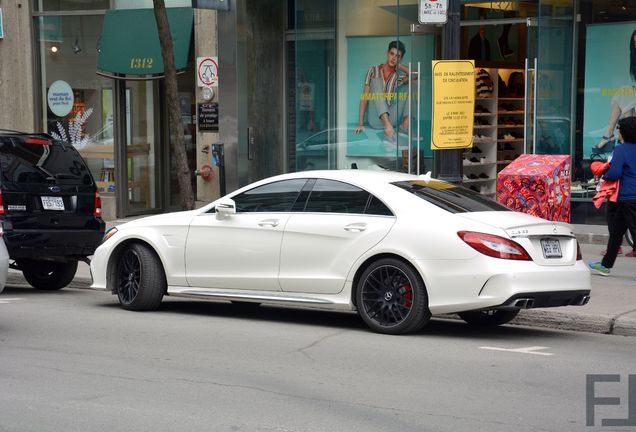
<point x="610" y="80"/>
<point x="374" y="88"/>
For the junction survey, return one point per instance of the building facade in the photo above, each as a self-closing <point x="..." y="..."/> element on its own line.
<point x="300" y="83"/>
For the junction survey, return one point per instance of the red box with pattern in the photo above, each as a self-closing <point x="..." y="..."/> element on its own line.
<point x="538" y="185"/>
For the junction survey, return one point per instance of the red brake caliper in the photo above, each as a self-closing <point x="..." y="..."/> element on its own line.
<point x="408" y="296"/>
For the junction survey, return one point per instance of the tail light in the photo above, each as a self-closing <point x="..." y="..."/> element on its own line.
<point x="579" y="255"/>
<point x="1" y="204"/>
<point x="38" y="141"/>
<point x="494" y="246"/>
<point x="97" y="212"/>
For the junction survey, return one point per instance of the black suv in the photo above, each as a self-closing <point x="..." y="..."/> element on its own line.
<point x="50" y="208"/>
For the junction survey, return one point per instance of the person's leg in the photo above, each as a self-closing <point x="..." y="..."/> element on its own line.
<point x="617" y="230"/>
<point x="615" y="114"/>
<point x="377" y="105"/>
<point x="630" y="213"/>
<point x="398" y="109"/>
<point x="610" y="213"/>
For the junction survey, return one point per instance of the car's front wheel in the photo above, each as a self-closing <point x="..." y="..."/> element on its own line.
<point x="48" y="275"/>
<point x="140" y="279"/>
<point x="489" y="318"/>
<point x="391" y="297"/>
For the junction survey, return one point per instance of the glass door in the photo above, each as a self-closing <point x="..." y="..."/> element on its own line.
<point x="422" y="42"/>
<point x="311" y="108"/>
<point x="549" y="103"/>
<point x="142" y="147"/>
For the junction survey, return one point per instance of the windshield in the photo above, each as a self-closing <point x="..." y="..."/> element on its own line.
<point x="40" y="163"/>
<point x="450" y="197"/>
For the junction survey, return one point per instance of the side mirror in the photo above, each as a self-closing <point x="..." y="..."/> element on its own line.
<point x="225" y="207"/>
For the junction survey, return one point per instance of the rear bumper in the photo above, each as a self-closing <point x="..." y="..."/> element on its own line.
<point x="52" y="244"/>
<point x="548" y="299"/>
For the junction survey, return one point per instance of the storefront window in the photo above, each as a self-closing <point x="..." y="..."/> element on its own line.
<point x="605" y="94"/>
<point x="355" y="98"/>
<point x="77" y="103"/>
<point x="69" y="5"/>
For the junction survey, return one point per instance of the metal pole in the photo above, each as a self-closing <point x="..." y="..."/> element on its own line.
<point x="410" y="102"/>
<point x="419" y="94"/>
<point x="448" y="163"/>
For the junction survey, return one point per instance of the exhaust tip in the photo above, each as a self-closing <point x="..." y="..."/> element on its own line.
<point x="584" y="300"/>
<point x="524" y="303"/>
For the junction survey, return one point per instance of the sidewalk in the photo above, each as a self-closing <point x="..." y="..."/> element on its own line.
<point x="611" y="310"/>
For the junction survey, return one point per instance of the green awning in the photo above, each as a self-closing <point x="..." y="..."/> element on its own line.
<point x="130" y="45"/>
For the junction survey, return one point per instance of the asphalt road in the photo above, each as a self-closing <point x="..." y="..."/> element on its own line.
<point x="74" y="361"/>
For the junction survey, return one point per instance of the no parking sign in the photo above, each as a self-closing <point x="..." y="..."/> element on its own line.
<point x="207" y="71"/>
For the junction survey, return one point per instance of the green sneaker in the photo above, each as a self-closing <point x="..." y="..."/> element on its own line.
<point x="598" y="268"/>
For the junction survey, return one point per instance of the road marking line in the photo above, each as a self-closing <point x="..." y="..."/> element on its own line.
<point x="524" y="350"/>
<point x="9" y="300"/>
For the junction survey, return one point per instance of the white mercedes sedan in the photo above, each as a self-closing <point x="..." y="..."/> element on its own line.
<point x="394" y="247"/>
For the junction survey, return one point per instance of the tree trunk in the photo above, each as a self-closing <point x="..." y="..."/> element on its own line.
<point x="177" y="140"/>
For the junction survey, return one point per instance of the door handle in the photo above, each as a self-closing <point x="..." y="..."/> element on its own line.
<point x="268" y="222"/>
<point x="355" y="227"/>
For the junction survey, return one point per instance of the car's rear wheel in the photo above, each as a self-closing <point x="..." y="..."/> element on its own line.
<point x="489" y="318"/>
<point x="48" y="275"/>
<point x="140" y="279"/>
<point x="391" y="297"/>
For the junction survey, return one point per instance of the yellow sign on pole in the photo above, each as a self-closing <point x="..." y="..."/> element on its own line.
<point x="453" y="104"/>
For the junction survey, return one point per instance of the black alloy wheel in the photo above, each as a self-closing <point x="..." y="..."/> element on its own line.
<point x="489" y="318"/>
<point x="391" y="297"/>
<point x="140" y="279"/>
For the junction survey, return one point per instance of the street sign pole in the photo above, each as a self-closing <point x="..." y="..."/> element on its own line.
<point x="448" y="163"/>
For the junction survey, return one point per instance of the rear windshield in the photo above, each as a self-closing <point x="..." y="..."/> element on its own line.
<point x="39" y="163"/>
<point x="450" y="197"/>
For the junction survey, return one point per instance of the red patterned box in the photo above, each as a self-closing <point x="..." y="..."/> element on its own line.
<point x="538" y="185"/>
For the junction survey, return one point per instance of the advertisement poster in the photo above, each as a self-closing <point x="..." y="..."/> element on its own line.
<point x="372" y="89"/>
<point x="453" y="104"/>
<point x="609" y="85"/>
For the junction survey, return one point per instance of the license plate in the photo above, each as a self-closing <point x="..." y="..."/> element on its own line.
<point x="551" y="248"/>
<point x="52" y="203"/>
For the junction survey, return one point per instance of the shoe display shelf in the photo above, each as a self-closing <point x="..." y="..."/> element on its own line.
<point x="510" y="119"/>
<point x="480" y="161"/>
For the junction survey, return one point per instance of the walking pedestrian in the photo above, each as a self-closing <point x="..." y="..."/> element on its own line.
<point x="623" y="169"/>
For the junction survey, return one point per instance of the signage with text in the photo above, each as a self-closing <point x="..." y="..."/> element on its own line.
<point x="208" y="117"/>
<point x="453" y="104"/>
<point x="433" y="11"/>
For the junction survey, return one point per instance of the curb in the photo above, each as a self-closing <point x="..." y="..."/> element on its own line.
<point x="593" y="238"/>
<point x="621" y="325"/>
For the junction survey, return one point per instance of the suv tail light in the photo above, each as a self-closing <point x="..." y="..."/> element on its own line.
<point x="38" y="141"/>
<point x="97" y="211"/>
<point x="1" y="204"/>
<point x="579" y="255"/>
<point x="494" y="246"/>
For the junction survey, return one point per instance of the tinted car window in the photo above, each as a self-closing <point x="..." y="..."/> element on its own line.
<point x="40" y="163"/>
<point x="377" y="207"/>
<point x="273" y="197"/>
<point x="455" y="199"/>
<point x="329" y="196"/>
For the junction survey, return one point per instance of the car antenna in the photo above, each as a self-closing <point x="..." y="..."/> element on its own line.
<point x="354" y="165"/>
